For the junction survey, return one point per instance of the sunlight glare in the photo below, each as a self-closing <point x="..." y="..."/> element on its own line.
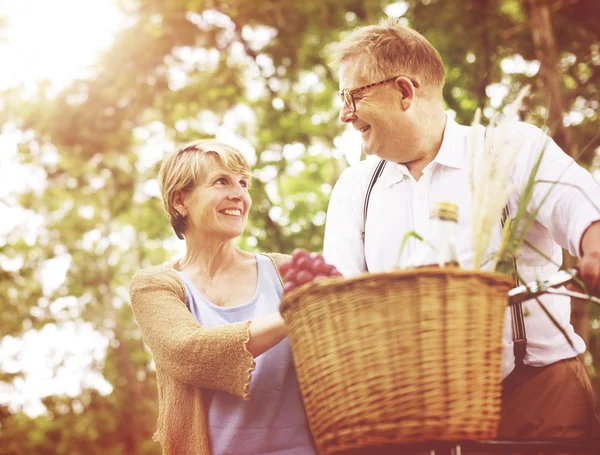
<point x="56" y="40"/>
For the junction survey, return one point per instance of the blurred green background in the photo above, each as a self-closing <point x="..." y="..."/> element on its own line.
<point x="79" y="152"/>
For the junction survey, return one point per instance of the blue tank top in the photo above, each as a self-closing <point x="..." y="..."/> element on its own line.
<point x="273" y="420"/>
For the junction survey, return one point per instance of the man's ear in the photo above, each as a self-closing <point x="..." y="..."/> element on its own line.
<point x="407" y="90"/>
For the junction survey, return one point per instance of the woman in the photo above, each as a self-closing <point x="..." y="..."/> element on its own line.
<point x="226" y="382"/>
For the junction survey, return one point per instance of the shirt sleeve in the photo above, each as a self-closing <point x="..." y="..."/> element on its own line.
<point x="565" y="196"/>
<point x="343" y="245"/>
<point x="207" y="357"/>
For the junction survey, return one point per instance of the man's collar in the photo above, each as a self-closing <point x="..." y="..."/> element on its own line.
<point x="451" y="154"/>
<point x="394" y="173"/>
<point x="454" y="144"/>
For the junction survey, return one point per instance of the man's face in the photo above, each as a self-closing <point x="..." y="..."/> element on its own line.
<point x="384" y="124"/>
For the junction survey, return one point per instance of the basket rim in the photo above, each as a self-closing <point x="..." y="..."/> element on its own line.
<point x="288" y="300"/>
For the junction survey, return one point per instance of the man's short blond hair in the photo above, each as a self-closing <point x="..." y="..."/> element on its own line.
<point x="186" y="168"/>
<point x="391" y="49"/>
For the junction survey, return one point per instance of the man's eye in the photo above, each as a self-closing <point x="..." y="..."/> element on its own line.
<point x="221" y="181"/>
<point x="244" y="183"/>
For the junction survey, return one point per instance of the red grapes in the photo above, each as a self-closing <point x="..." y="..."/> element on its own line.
<point x="305" y="267"/>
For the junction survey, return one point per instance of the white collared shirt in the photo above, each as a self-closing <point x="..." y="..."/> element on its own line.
<point x="400" y="204"/>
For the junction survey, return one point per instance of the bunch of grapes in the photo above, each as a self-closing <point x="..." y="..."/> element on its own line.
<point x="305" y="267"/>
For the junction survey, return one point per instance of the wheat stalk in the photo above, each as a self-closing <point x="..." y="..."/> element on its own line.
<point x="488" y="176"/>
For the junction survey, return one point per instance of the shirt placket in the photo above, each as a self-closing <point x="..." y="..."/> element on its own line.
<point x="421" y="203"/>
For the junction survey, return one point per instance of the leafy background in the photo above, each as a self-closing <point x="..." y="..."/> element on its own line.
<point x="179" y="70"/>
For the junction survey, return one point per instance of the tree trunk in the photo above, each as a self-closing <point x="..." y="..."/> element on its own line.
<point x="546" y="53"/>
<point x="484" y="62"/>
<point x="545" y="49"/>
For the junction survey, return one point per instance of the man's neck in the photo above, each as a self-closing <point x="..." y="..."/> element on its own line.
<point x="432" y="141"/>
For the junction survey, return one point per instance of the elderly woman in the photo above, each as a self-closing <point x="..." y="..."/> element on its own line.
<point x="226" y="382"/>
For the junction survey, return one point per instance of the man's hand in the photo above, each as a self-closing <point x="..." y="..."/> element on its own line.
<point x="589" y="266"/>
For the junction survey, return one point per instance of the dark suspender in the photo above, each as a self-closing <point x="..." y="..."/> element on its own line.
<point x="518" y="321"/>
<point x="374" y="177"/>
<point x="516" y="310"/>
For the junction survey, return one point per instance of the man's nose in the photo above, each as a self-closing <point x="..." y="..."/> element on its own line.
<point x="346" y="114"/>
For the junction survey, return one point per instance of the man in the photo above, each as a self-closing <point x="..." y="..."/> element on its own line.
<point x="391" y="81"/>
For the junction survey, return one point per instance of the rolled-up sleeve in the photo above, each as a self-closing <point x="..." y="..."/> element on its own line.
<point x="566" y="197"/>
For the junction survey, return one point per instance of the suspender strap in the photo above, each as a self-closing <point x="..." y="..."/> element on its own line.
<point x="376" y="174"/>
<point x="518" y="321"/>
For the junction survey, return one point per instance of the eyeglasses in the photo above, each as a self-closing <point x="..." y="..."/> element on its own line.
<point x="347" y="95"/>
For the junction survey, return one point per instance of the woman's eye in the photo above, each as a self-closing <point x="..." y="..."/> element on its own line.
<point x="244" y="183"/>
<point x="221" y="181"/>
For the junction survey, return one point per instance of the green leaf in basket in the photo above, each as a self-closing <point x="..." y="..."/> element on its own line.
<point x="405" y="239"/>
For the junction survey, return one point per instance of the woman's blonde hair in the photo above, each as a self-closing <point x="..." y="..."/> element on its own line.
<point x="184" y="169"/>
<point x="392" y="49"/>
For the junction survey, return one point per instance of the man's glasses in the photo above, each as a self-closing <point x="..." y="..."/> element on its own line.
<point x="347" y="95"/>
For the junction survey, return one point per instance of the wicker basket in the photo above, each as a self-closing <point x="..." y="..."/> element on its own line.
<point x="399" y="357"/>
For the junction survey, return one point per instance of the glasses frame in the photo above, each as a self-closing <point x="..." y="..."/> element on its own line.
<point x="347" y="95"/>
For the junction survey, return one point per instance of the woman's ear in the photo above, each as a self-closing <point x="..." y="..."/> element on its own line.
<point x="179" y="203"/>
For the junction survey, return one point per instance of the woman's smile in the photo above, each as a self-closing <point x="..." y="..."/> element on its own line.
<point x="231" y="212"/>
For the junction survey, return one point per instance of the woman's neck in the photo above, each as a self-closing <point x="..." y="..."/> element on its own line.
<point x="208" y="259"/>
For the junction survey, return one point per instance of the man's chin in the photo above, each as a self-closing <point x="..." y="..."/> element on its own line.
<point x="367" y="150"/>
<point x="371" y="151"/>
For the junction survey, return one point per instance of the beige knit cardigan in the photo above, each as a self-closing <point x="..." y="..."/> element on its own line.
<point x="188" y="357"/>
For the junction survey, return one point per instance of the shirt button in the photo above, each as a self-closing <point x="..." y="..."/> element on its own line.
<point x="420" y="196"/>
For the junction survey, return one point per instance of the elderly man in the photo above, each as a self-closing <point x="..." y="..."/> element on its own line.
<point x="391" y="81"/>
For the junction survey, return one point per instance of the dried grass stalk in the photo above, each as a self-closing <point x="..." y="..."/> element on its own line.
<point x="488" y="176"/>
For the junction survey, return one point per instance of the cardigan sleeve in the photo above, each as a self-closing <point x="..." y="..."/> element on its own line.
<point x="277" y="259"/>
<point x="207" y="357"/>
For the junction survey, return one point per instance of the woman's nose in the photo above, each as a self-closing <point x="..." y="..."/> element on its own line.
<point x="238" y="192"/>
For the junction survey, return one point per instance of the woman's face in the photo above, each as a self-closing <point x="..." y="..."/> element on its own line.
<point x="219" y="206"/>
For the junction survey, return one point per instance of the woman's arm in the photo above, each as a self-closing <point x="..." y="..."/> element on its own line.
<point x="265" y="332"/>
<point x="220" y="358"/>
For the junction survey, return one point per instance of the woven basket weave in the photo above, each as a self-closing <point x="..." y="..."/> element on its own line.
<point x="399" y="357"/>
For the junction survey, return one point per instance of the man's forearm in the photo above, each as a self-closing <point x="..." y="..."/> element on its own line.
<point x="590" y="241"/>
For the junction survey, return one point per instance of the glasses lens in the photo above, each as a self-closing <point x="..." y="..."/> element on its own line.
<point x="347" y="99"/>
